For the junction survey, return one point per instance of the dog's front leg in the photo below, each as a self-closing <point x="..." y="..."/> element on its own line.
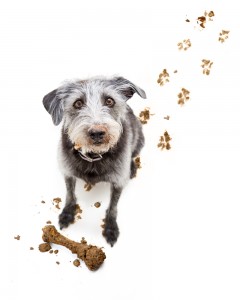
<point x="67" y="215"/>
<point x="111" y="231"/>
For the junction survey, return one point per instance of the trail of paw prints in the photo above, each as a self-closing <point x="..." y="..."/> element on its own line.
<point x="201" y="23"/>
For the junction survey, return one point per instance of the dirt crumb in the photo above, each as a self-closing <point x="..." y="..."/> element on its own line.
<point x="78" y="212"/>
<point x="103" y="224"/>
<point x="201" y="21"/>
<point x="55" y="251"/>
<point x="17" y="237"/>
<point x="76" y="263"/>
<point x="51" y="251"/>
<point x="88" y="187"/>
<point x="164" y="141"/>
<point x="48" y="222"/>
<point x="97" y="204"/>
<point x="167" y="117"/>
<point x="43" y="202"/>
<point x="56" y="202"/>
<point x="31" y="248"/>
<point x="163" y="77"/>
<point x="78" y="209"/>
<point x="137" y="162"/>
<point x="57" y="262"/>
<point x="83" y="241"/>
<point x="44" y="247"/>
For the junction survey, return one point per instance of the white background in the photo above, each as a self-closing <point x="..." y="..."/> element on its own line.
<point x="179" y="219"/>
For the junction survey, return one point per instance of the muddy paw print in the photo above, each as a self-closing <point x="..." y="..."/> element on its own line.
<point x="223" y="36"/>
<point x="206" y="65"/>
<point x="184" y="45"/>
<point x="163" y="77"/>
<point x="183" y="96"/>
<point x="144" y="115"/>
<point x="164" y="141"/>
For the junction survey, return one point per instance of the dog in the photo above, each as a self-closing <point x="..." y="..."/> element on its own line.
<point x="100" y="138"/>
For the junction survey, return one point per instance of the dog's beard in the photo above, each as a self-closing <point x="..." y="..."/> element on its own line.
<point x="78" y="135"/>
<point x="99" y="148"/>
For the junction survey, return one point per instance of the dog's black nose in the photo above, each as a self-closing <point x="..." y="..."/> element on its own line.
<point x="96" y="135"/>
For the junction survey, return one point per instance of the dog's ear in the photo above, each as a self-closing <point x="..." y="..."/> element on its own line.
<point x="53" y="105"/>
<point x="127" y="88"/>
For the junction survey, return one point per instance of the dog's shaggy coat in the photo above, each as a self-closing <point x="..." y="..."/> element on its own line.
<point x="97" y="118"/>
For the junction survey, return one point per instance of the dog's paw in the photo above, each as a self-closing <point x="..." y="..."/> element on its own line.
<point x="111" y="232"/>
<point x="67" y="216"/>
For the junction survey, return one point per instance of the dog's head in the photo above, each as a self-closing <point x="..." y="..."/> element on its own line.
<point x="92" y="110"/>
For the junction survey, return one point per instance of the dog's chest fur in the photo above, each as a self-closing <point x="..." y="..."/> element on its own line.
<point x="92" y="172"/>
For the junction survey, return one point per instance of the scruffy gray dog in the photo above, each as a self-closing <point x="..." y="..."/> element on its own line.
<point x="100" y="138"/>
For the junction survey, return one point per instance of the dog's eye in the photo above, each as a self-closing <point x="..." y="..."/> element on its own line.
<point x="78" y="104"/>
<point x="109" y="102"/>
